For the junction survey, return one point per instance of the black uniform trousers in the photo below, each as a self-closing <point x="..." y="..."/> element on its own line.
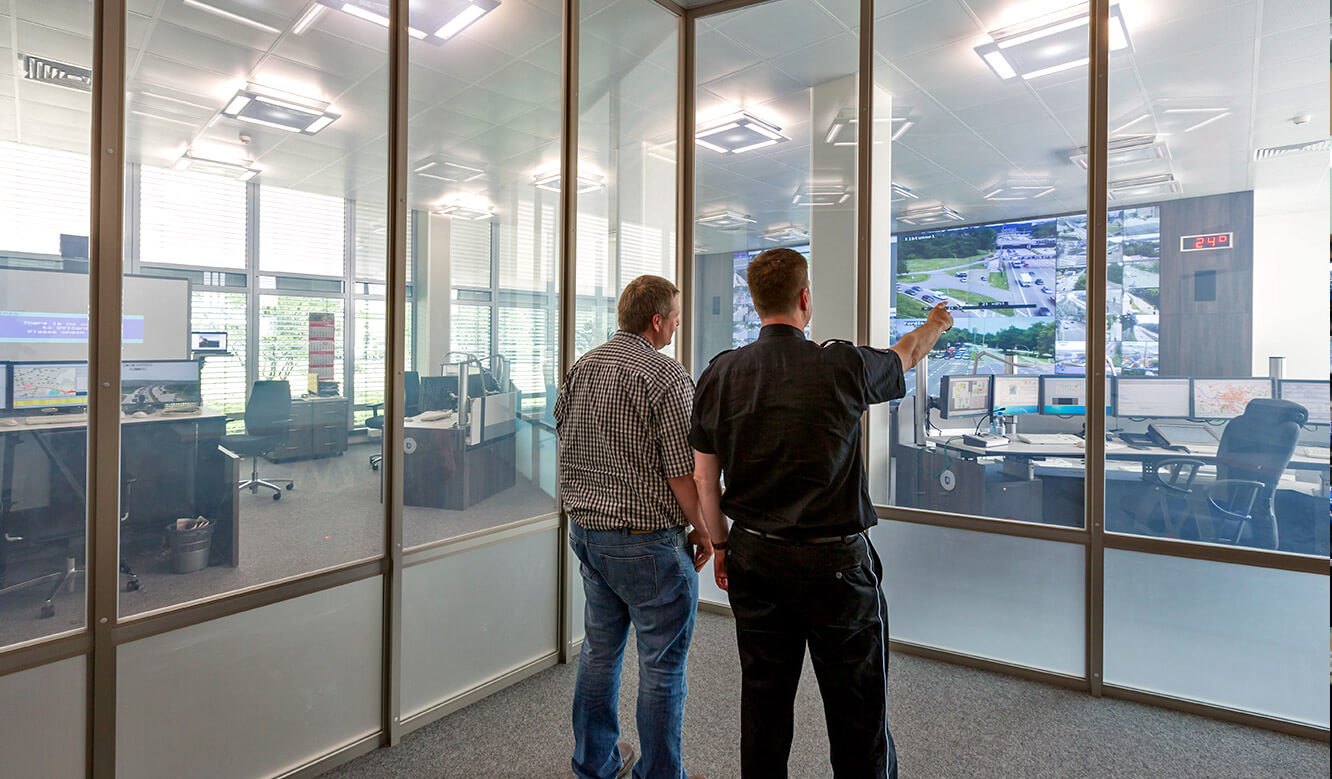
<point x="785" y="595"/>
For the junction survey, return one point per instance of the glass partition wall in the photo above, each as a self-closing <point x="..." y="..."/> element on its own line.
<point x="257" y="285"/>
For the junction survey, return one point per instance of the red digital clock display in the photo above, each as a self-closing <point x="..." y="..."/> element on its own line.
<point x="1206" y="242"/>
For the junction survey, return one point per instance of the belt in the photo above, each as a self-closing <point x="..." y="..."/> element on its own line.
<point x="785" y="540"/>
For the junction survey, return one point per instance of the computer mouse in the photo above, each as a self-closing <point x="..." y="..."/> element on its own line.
<point x="139" y="414"/>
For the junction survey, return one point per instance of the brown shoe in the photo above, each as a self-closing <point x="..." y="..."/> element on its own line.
<point x="628" y="756"/>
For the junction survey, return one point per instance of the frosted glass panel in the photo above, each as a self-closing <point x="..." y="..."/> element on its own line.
<point x="478" y="613"/>
<point x="1246" y="638"/>
<point x="255" y="694"/>
<point x="43" y="711"/>
<point x="1016" y="600"/>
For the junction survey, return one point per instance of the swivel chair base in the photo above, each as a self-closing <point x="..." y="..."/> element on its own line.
<point x="254" y="483"/>
<point x="66" y="579"/>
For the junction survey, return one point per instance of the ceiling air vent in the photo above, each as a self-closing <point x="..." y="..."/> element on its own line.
<point x="1272" y="152"/>
<point x="55" y="73"/>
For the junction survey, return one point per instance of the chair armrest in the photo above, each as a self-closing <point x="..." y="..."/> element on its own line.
<point x="1247" y="490"/>
<point x="1182" y="471"/>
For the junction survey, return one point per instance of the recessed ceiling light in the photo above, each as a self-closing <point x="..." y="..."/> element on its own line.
<point x="242" y="169"/>
<point x="726" y="220"/>
<point x="436" y="166"/>
<point x="901" y="193"/>
<point x="1018" y="190"/>
<point x="446" y="19"/>
<point x="235" y="17"/>
<point x="737" y="134"/>
<point x="1048" y="44"/>
<point x="270" y="107"/>
<point x="931" y="215"/>
<point x="820" y="195"/>
<point x="470" y="208"/>
<point x="1142" y="186"/>
<point x="842" y="131"/>
<point x="787" y="234"/>
<point x="551" y="182"/>
<point x="1128" y="150"/>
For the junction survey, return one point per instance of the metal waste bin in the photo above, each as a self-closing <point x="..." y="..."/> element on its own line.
<point x="189" y="548"/>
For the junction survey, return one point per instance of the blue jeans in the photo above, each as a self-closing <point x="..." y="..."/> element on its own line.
<point x="648" y="580"/>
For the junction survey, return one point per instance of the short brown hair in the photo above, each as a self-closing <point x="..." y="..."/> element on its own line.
<point x="775" y="280"/>
<point x="643" y="298"/>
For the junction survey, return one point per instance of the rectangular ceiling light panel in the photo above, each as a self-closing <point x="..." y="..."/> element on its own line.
<point x="435" y="24"/>
<point x="788" y="234"/>
<point x="1143" y="186"/>
<point x="928" y="216"/>
<point x="242" y="169"/>
<point x="842" y="131"/>
<point x="551" y="182"/>
<point x="438" y="167"/>
<point x="726" y="220"/>
<point x="471" y="209"/>
<point x="737" y="134"/>
<point x="817" y="196"/>
<point x="1128" y="150"/>
<point x="1047" y="45"/>
<point x="274" y="108"/>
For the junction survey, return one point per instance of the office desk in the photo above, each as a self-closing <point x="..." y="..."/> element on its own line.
<point x="178" y="467"/>
<point x="441" y="470"/>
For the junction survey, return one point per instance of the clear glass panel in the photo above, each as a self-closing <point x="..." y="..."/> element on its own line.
<point x="771" y="82"/>
<point x="44" y="226"/>
<point x="976" y="203"/>
<point x="483" y="142"/>
<point x="626" y="175"/>
<point x="1261" y="648"/>
<point x="1219" y="220"/>
<point x="255" y="143"/>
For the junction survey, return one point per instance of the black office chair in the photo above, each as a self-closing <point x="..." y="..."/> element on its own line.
<point x="267" y="422"/>
<point x="1238" y="506"/>
<point x="411" y="393"/>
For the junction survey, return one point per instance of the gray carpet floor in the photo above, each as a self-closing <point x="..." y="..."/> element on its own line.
<point x="948" y="721"/>
<point x="332" y="517"/>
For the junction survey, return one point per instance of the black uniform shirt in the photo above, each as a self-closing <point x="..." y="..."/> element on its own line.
<point x="783" y="416"/>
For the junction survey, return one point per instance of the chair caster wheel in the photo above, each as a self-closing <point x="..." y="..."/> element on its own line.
<point x="277" y="496"/>
<point x="132" y="585"/>
<point x="291" y="487"/>
<point x="374" y="467"/>
<point x="48" y="612"/>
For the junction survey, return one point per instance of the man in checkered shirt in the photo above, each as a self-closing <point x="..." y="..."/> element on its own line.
<point x="626" y="481"/>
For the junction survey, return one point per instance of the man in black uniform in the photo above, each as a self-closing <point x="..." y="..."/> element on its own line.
<point x="781" y="418"/>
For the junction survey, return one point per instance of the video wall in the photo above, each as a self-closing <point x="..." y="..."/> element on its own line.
<point x="745" y="324"/>
<point x="1019" y="289"/>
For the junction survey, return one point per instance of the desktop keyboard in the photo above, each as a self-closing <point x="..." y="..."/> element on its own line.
<point x="56" y="419"/>
<point x="179" y="408"/>
<point x="1050" y="439"/>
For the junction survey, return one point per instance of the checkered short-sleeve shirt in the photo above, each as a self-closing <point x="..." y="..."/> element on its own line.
<point x="622" y="418"/>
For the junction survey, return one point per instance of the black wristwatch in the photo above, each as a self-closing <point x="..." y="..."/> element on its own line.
<point x="719" y="545"/>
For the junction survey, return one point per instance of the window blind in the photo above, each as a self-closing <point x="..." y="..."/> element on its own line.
<point x="371" y="244"/>
<point x="301" y="232"/>
<point x="522" y="339"/>
<point x="223" y="375"/>
<point x="284" y="336"/>
<point x="524" y="262"/>
<point x="469" y="253"/>
<point x="469" y="330"/>
<point x="369" y="350"/>
<point x="43" y="193"/>
<point x="191" y="219"/>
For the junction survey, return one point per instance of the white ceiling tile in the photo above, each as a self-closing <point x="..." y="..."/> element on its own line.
<point x="271" y="14"/>
<point x="300" y="79"/>
<point x="488" y="106"/>
<point x="1310" y="72"/>
<point x="717" y="55"/>
<point x="833" y="58"/>
<point x="330" y="54"/>
<point x="515" y="28"/>
<point x="201" y="51"/>
<point x="638" y="26"/>
<point x="1218" y="27"/>
<point x="755" y="85"/>
<point x="525" y="82"/>
<point x="1292" y="44"/>
<point x="776" y="28"/>
<point x="462" y="58"/>
<point x="926" y="26"/>
<point x="52" y="43"/>
<point x="1282" y="15"/>
<point x="72" y="16"/>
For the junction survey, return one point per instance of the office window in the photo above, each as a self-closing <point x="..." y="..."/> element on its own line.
<point x="301" y="232"/>
<point x="371" y="242"/>
<point x="368" y="358"/>
<point x="470" y="330"/>
<point x="531" y="368"/>
<point x="191" y="219"/>
<point x="43" y="195"/>
<point x="469" y="253"/>
<point x="223" y="375"/>
<point x="285" y="337"/>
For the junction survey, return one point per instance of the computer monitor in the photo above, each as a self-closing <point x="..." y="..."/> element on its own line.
<point x="1226" y="398"/>
<point x="439" y="393"/>
<point x="4" y="386"/>
<point x="34" y="386"/>
<point x="1017" y="394"/>
<point x="1312" y="394"/>
<point x="157" y="383"/>
<point x="208" y="341"/>
<point x="964" y="396"/>
<point x="1160" y="398"/>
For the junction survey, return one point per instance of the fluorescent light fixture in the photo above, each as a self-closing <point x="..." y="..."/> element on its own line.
<point x="447" y="19"/>
<point x="235" y="17"/>
<point x="1042" y="46"/>
<point x="820" y="195"/>
<point x="737" y="134"/>
<point x="1143" y="186"/>
<point x="469" y="208"/>
<point x="1128" y="150"/>
<point x="308" y="18"/>
<point x="242" y="169"/>
<point x="280" y="110"/>
<point x="901" y="193"/>
<point x="1018" y="190"/>
<point x="787" y="234"/>
<point x="437" y="166"/>
<point x="936" y="214"/>
<point x="551" y="182"/>
<point x="726" y="220"/>
<point x="842" y="131"/>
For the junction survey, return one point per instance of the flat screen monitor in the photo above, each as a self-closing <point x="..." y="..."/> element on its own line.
<point x="1068" y="395"/>
<point x="1137" y="396"/>
<point x="1311" y="394"/>
<point x="4" y="386"/>
<point x="34" y="386"/>
<point x="210" y="342"/>
<point x="439" y="393"/>
<point x="1226" y="398"/>
<point x="964" y="396"/>
<point x="156" y="383"/>
<point x="1017" y="394"/>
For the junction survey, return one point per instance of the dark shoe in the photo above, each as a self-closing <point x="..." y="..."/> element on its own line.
<point x="628" y="756"/>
